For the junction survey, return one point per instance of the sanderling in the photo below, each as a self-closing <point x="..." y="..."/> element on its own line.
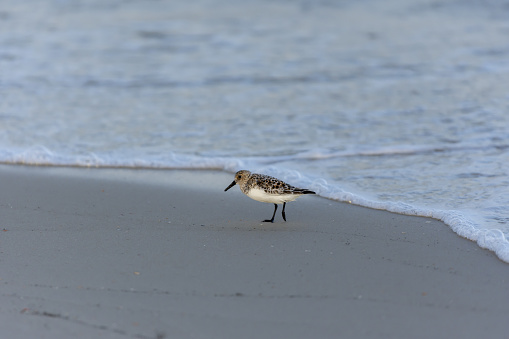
<point x="264" y="188"/>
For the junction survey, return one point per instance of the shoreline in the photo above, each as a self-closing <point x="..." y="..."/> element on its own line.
<point x="167" y="253"/>
<point x="449" y="217"/>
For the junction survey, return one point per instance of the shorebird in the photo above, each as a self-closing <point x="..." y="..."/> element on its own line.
<point x="264" y="188"/>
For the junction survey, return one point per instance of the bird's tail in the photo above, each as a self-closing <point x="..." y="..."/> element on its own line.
<point x="305" y="191"/>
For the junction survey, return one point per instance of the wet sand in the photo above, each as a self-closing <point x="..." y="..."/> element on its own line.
<point x="116" y="253"/>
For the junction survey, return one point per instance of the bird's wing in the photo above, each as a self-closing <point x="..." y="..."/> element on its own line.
<point x="272" y="185"/>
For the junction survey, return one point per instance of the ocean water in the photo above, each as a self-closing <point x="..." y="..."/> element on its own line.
<point x="396" y="105"/>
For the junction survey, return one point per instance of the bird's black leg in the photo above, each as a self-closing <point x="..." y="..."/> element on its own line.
<point x="272" y="220"/>
<point x="283" y="213"/>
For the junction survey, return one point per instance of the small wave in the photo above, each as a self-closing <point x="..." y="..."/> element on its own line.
<point x="41" y="155"/>
<point x="491" y="239"/>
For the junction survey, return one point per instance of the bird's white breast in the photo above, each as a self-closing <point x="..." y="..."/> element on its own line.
<point x="260" y="195"/>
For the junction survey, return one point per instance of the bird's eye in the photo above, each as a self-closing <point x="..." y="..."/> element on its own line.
<point x="238" y="177"/>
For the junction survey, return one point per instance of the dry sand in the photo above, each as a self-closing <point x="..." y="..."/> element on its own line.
<point x="90" y="253"/>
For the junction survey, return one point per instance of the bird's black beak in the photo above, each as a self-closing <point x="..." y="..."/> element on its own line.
<point x="231" y="185"/>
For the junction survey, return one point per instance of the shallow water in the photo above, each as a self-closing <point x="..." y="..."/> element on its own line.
<point x="399" y="106"/>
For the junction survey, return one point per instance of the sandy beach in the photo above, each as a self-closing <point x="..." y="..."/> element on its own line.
<point x="111" y="253"/>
